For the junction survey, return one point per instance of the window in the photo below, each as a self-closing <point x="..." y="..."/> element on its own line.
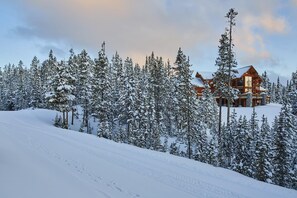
<point x="248" y="81"/>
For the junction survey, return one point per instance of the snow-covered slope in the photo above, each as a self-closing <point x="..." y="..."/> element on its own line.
<point x="39" y="160"/>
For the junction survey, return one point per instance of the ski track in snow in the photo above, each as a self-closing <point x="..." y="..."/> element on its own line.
<point x="86" y="160"/>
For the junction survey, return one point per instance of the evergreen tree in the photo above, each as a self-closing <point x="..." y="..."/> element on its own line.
<point x="49" y="71"/>
<point x="21" y="97"/>
<point x="208" y="108"/>
<point x="73" y="69"/>
<point x="278" y="92"/>
<point x="101" y="90"/>
<point x="62" y="88"/>
<point x="266" y="84"/>
<point x="83" y="85"/>
<point x="262" y="160"/>
<point x="2" y="96"/>
<point x="116" y="73"/>
<point x="36" y="94"/>
<point x="127" y="101"/>
<point x="187" y="102"/>
<point x="242" y="143"/>
<point x="282" y="147"/>
<point x="231" y="62"/>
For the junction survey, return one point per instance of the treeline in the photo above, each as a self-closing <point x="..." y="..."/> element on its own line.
<point x="154" y="106"/>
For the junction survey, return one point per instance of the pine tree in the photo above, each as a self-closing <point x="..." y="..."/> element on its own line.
<point x="49" y="71"/>
<point x="282" y="147"/>
<point x="170" y="101"/>
<point x="208" y="108"/>
<point x="222" y="76"/>
<point x="266" y="84"/>
<point x="127" y="101"/>
<point x="262" y="160"/>
<point x="116" y="73"/>
<point x="73" y="69"/>
<point x="62" y="88"/>
<point x="189" y="125"/>
<point x="36" y="94"/>
<point x="21" y="96"/>
<point x="2" y="96"/>
<point x="83" y="85"/>
<point x="101" y="90"/>
<point x="242" y="143"/>
<point x="278" y="92"/>
<point x="231" y="62"/>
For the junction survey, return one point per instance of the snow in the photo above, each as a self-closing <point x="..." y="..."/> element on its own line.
<point x="39" y="160"/>
<point x="270" y="111"/>
<point x="206" y="75"/>
<point x="241" y="71"/>
<point x="197" y="82"/>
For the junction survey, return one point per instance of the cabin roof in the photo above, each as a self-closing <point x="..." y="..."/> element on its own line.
<point x="242" y="70"/>
<point x="197" y="82"/>
<point x="206" y="75"/>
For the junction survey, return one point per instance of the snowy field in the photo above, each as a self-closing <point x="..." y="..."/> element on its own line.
<point x="38" y="160"/>
<point x="269" y="110"/>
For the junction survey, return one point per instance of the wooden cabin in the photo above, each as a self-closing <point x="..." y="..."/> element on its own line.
<point x="247" y="81"/>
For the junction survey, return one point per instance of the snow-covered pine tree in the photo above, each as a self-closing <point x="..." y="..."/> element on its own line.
<point x="35" y="76"/>
<point x="266" y="84"/>
<point x="21" y="96"/>
<point x="2" y="106"/>
<point x="116" y="73"/>
<point x="292" y="93"/>
<point x="9" y="81"/>
<point x="208" y="108"/>
<point x="170" y="100"/>
<point x="254" y="133"/>
<point x="73" y="69"/>
<point x="278" y="92"/>
<point x="127" y="100"/>
<point x="282" y="146"/>
<point x="262" y="159"/>
<point x="101" y="94"/>
<point x="221" y="77"/>
<point x="231" y="62"/>
<point x="157" y="89"/>
<point x="242" y="143"/>
<point x="48" y="71"/>
<point x="200" y="139"/>
<point x="187" y="103"/>
<point x="61" y="96"/>
<point x="83" y="85"/>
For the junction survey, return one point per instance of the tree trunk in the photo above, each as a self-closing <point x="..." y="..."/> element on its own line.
<point x="72" y="116"/>
<point x="220" y="120"/>
<point x="66" y="124"/>
<point x="63" y="121"/>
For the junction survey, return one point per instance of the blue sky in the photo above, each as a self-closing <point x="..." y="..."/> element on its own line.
<point x="265" y="34"/>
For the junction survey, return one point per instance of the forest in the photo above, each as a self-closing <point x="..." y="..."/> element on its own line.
<point x="145" y="106"/>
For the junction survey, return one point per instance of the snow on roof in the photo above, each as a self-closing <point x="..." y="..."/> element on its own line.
<point x="206" y="75"/>
<point x="197" y="82"/>
<point x="242" y="70"/>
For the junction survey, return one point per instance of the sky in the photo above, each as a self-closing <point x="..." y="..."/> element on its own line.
<point x="264" y="35"/>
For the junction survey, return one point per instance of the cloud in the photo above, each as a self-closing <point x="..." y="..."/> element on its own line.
<point x="135" y="28"/>
<point x="294" y="2"/>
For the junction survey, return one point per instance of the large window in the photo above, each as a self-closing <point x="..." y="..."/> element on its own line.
<point x="248" y="83"/>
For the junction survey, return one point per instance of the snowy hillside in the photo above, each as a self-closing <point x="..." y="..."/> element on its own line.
<point x="39" y="160"/>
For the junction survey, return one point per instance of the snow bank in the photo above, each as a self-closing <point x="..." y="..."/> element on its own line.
<point x="39" y="160"/>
